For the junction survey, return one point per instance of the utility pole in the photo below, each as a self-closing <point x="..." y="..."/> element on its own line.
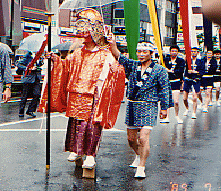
<point x="12" y="22"/>
<point x="176" y="22"/>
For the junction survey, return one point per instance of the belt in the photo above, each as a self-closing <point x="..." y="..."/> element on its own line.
<point x="136" y="101"/>
<point x="177" y="80"/>
<point x="207" y="76"/>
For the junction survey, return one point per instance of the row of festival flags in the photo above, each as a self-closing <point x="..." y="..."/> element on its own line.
<point x="132" y="24"/>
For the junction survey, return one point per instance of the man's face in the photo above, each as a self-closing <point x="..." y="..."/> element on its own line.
<point x="143" y="55"/>
<point x="209" y="54"/>
<point x="217" y="55"/>
<point x="173" y="52"/>
<point x="194" y="53"/>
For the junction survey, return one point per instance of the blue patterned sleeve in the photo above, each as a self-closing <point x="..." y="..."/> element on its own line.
<point x="7" y="68"/>
<point x="163" y="89"/>
<point x="202" y="68"/>
<point x="182" y="68"/>
<point x="128" y="64"/>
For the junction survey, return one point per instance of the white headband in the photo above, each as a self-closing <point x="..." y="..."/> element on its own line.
<point x="145" y="46"/>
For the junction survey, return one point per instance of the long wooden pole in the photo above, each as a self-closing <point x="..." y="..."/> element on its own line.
<point x="184" y="12"/>
<point x="155" y="27"/>
<point x="48" y="121"/>
<point x="132" y="24"/>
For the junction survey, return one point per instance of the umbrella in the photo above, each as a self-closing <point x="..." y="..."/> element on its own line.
<point x="6" y="47"/>
<point x="33" y="43"/>
<point x="69" y="45"/>
<point x="63" y="46"/>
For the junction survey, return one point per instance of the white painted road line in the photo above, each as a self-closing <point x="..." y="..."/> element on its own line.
<point x="113" y="130"/>
<point x="13" y="101"/>
<point x="53" y="130"/>
<point x="28" y="130"/>
<point x="29" y="120"/>
<point x="41" y="118"/>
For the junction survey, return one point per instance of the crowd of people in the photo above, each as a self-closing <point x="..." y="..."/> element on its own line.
<point x="89" y="83"/>
<point x="204" y="76"/>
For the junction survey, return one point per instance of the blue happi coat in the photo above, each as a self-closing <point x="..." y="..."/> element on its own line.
<point x="151" y="87"/>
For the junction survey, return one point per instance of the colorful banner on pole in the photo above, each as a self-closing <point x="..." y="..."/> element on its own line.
<point x="132" y="25"/>
<point x="186" y="31"/>
<point x="155" y="27"/>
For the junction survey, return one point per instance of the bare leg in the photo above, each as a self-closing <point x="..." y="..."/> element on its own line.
<point x="185" y="99"/>
<point x="200" y="96"/>
<point x="217" y="93"/>
<point x="144" y="145"/>
<point x="194" y="102"/>
<point x="168" y="113"/>
<point x="208" y="94"/>
<point x="176" y="96"/>
<point x="211" y="96"/>
<point x="132" y="140"/>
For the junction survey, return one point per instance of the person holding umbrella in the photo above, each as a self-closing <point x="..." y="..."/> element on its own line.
<point x="31" y="84"/>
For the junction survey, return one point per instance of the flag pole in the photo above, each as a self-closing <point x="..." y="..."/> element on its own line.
<point x="48" y="121"/>
<point x="132" y="25"/>
<point x="184" y="12"/>
<point x="156" y="28"/>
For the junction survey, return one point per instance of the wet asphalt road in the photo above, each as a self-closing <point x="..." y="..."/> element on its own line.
<point x="182" y="157"/>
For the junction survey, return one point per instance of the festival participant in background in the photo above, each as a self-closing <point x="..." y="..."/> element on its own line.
<point x="193" y="78"/>
<point x="148" y="84"/>
<point x="89" y="86"/>
<point x="31" y="84"/>
<point x="217" y="76"/>
<point x="175" y="67"/>
<point x="5" y="74"/>
<point x="207" y="79"/>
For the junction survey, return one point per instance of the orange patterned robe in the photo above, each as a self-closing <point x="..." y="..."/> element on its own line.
<point x="74" y="90"/>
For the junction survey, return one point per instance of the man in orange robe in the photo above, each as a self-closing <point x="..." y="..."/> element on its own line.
<point x="89" y="86"/>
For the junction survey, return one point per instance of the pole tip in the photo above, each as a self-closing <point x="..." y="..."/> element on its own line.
<point x="47" y="167"/>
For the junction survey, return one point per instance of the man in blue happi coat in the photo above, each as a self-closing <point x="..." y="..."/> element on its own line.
<point x="208" y="78"/>
<point x="175" y="68"/>
<point x="193" y="78"/>
<point x="148" y="84"/>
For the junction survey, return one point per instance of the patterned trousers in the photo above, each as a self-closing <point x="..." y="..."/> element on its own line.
<point x="82" y="137"/>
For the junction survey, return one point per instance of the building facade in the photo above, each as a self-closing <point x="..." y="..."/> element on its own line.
<point x="113" y="14"/>
<point x="10" y="30"/>
<point x="204" y="34"/>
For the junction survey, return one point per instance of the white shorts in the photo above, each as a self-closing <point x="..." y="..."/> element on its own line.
<point x="216" y="84"/>
<point x="175" y="91"/>
<point x="144" y="127"/>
